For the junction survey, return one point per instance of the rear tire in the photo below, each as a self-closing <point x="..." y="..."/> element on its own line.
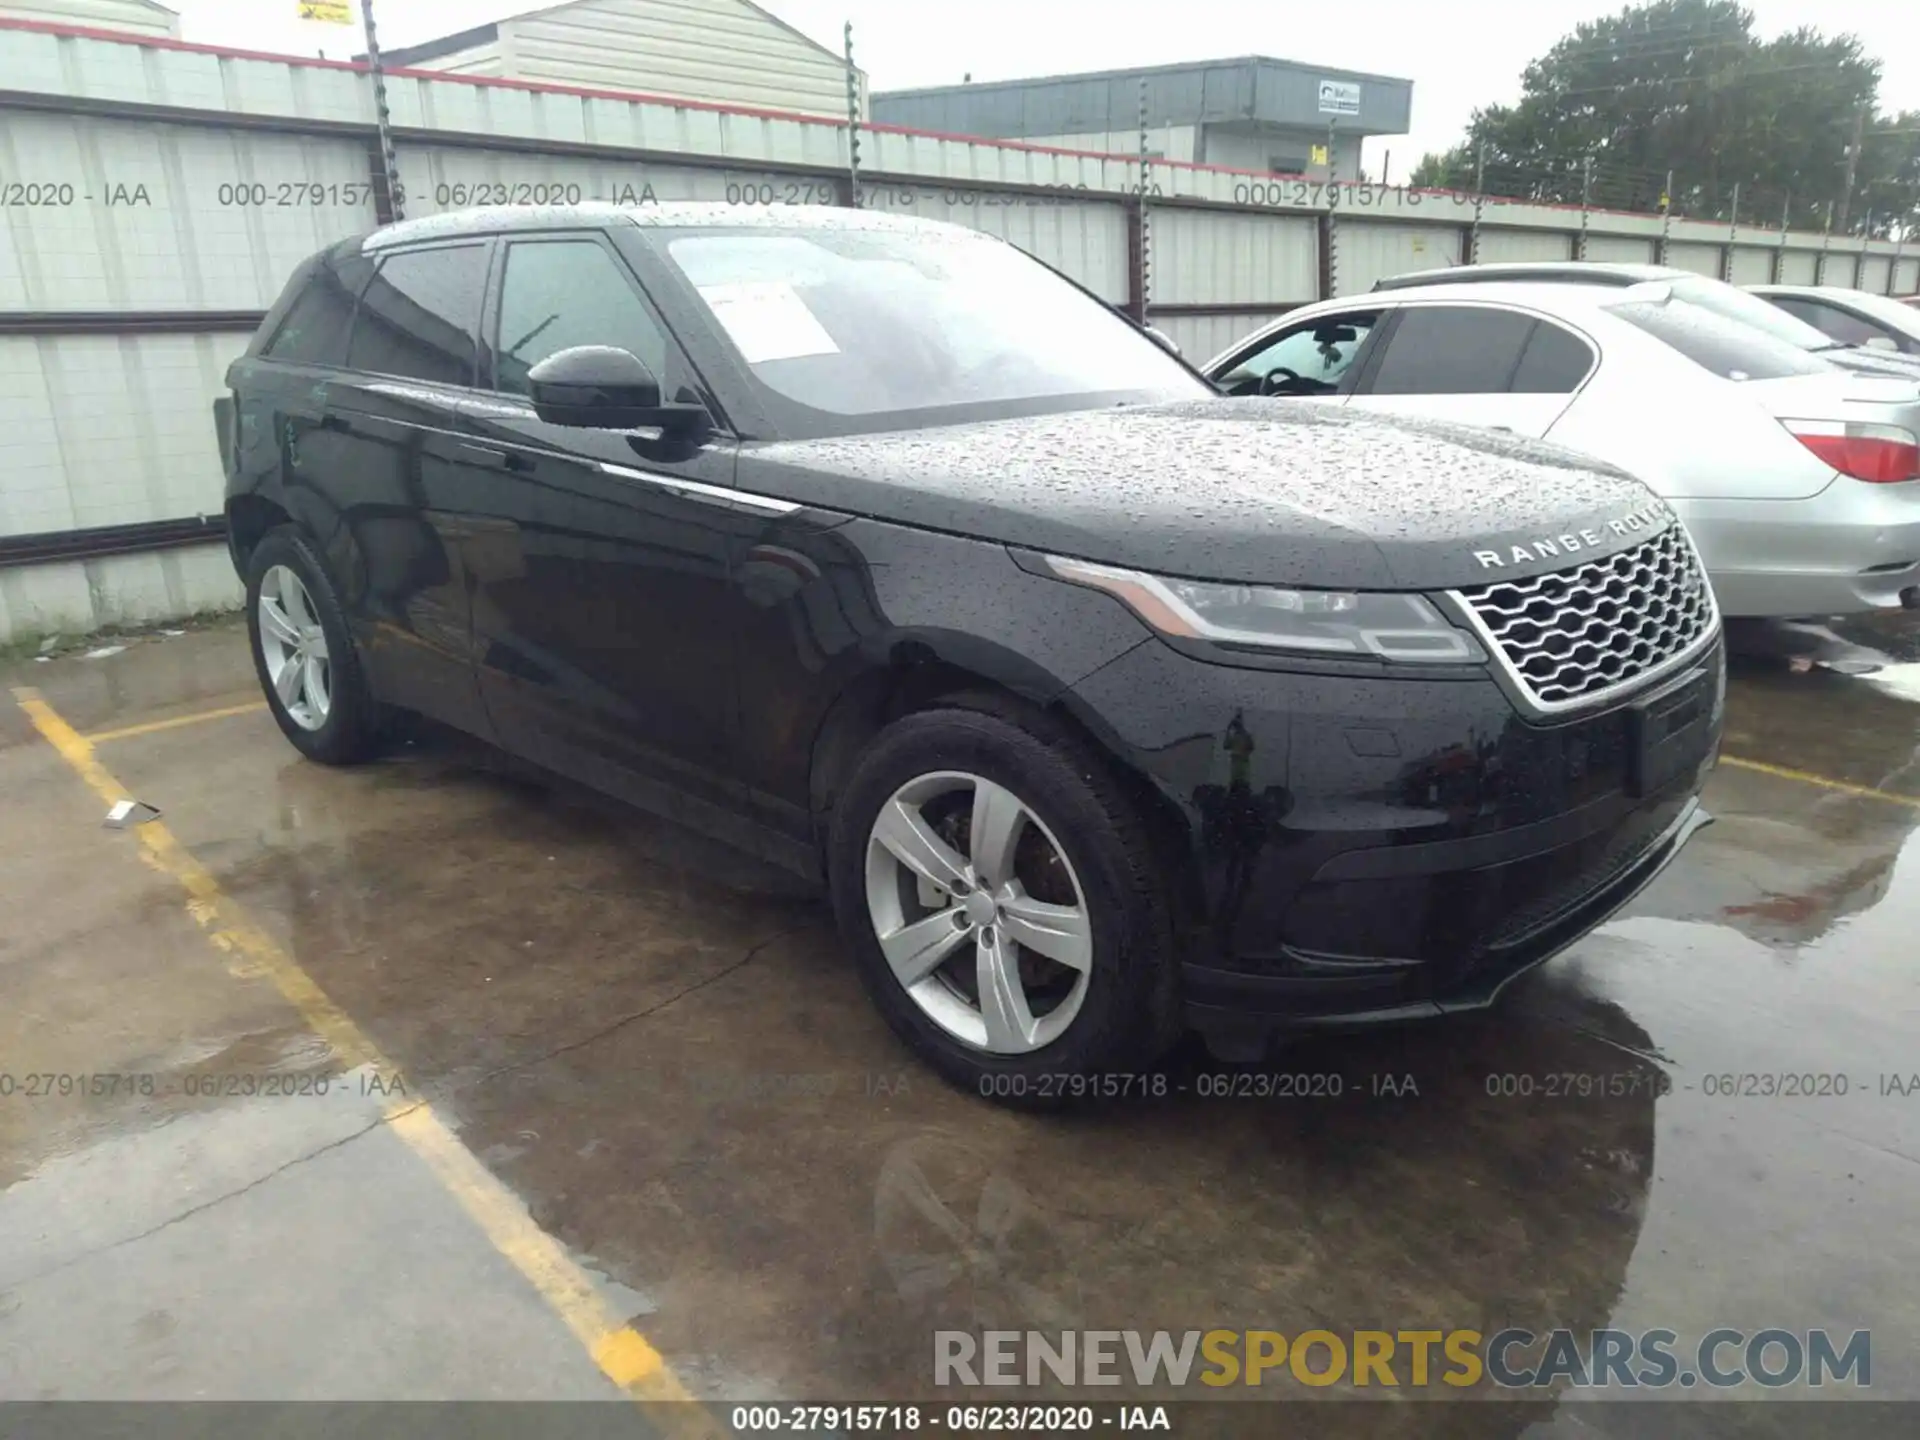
<point x="1041" y="875"/>
<point x="304" y="654"/>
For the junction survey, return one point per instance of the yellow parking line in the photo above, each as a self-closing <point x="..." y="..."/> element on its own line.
<point x="99" y="737"/>
<point x="1806" y="777"/>
<point x="620" y="1351"/>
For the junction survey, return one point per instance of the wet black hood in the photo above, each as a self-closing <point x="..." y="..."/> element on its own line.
<point x="1259" y="490"/>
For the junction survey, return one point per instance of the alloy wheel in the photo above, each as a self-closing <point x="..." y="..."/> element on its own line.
<point x="978" y="912"/>
<point x="294" y="648"/>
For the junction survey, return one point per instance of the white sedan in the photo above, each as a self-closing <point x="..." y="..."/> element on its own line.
<point x="1851" y="317"/>
<point x="1799" y="481"/>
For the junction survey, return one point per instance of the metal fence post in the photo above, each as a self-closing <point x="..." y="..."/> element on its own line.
<point x="1893" y="266"/>
<point x="1141" y="241"/>
<point x="1666" y="216"/>
<point x="853" y="123"/>
<point x="1826" y="239"/>
<point x="1779" y="270"/>
<point x="1479" y="202"/>
<point x="1586" y="206"/>
<point x="387" y="176"/>
<point x="1733" y="234"/>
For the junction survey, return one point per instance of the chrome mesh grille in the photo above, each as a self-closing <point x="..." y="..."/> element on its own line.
<point x="1574" y="635"/>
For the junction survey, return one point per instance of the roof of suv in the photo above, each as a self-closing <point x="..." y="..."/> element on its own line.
<point x="495" y="219"/>
<point x="1536" y="272"/>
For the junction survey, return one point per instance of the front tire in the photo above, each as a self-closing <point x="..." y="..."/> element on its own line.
<point x="1002" y="903"/>
<point x="304" y="654"/>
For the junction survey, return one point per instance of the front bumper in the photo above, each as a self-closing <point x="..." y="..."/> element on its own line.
<point x="1360" y="849"/>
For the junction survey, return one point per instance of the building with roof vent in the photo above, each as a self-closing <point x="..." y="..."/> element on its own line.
<point x="1255" y="113"/>
<point x="726" y="52"/>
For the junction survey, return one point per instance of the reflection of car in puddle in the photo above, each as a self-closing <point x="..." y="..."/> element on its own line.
<point x="965" y="1244"/>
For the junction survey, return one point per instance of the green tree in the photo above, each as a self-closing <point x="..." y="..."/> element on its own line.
<point x="1686" y="87"/>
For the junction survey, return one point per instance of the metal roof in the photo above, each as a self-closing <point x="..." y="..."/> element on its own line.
<point x="486" y="34"/>
<point x="1253" y="89"/>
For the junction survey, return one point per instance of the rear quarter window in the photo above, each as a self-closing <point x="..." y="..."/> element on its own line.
<point x="317" y="324"/>
<point x="1722" y="346"/>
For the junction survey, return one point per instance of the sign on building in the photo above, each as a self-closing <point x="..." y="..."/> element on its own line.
<point x="340" y="12"/>
<point x="1339" y="97"/>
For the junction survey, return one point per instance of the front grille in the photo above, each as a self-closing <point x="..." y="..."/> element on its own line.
<point x="1574" y="636"/>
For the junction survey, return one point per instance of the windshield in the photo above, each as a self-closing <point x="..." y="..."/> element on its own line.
<point x="1737" y="304"/>
<point x="1730" y="348"/>
<point x="899" y="327"/>
<point x="1900" y="315"/>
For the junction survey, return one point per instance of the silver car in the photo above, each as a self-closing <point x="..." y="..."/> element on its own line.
<point x="1800" y="481"/>
<point x="1851" y="317"/>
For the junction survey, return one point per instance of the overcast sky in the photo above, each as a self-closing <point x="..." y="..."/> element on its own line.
<point x="1458" y="55"/>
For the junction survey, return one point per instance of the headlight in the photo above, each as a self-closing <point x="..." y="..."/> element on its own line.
<point x="1321" y="622"/>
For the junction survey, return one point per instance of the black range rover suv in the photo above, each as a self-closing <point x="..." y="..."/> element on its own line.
<point x="1102" y="704"/>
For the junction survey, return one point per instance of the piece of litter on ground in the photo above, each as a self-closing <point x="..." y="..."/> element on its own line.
<point x="1800" y="664"/>
<point x="51" y="642"/>
<point x="173" y="632"/>
<point x="103" y="652"/>
<point x="130" y="812"/>
<point x="42" y="659"/>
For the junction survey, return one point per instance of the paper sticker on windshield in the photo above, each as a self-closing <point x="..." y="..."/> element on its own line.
<point x="767" y="320"/>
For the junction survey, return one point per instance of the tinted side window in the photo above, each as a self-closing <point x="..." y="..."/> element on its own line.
<point x="1452" y="350"/>
<point x="562" y="293"/>
<point x="1554" y="362"/>
<point x="418" y="315"/>
<point x="317" y="324"/>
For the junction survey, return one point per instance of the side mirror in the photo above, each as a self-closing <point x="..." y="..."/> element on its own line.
<point x="602" y="387"/>
<point x="1881" y="342"/>
<point x="1166" y="340"/>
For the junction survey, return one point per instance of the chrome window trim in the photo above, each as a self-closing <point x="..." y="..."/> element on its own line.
<point x="737" y="499"/>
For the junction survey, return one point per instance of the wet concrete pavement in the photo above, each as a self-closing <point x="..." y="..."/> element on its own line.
<point x="659" y="1049"/>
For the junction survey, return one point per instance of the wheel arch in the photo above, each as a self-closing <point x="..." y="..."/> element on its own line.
<point x="915" y="678"/>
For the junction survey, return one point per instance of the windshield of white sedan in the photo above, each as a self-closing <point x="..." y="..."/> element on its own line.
<point x="1736" y="304"/>
<point x="866" y="322"/>
<point x="1731" y="349"/>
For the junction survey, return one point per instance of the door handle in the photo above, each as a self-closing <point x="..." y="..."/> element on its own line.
<point x="492" y="458"/>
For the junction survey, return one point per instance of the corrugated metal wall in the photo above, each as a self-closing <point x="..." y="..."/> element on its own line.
<point x="1874" y="273"/>
<point x="1201" y="337"/>
<point x="109" y="429"/>
<point x="1364" y="253"/>
<point x="174" y="188"/>
<point x="165" y="217"/>
<point x="1211" y="257"/>
<point x="1701" y="259"/>
<point x="1499" y="247"/>
<point x="1620" y="249"/>
<point x="1799" y="267"/>
<point x="1906" y="276"/>
<point x="1751" y="266"/>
